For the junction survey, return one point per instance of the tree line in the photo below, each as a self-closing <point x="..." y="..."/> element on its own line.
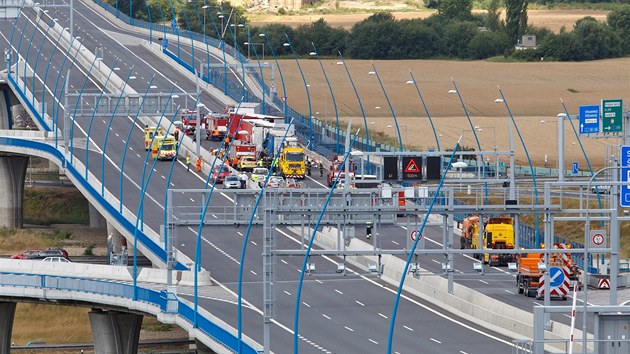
<point x="454" y="32"/>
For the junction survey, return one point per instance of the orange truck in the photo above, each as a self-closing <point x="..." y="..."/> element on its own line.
<point x="529" y="277"/>
<point x="498" y="233"/>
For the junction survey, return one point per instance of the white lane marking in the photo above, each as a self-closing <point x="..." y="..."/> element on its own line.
<point x="408" y="328"/>
<point x="319" y="281"/>
<point x="326" y="317"/>
<point x="240" y="233"/>
<point x="192" y="200"/>
<point x="305" y="304"/>
<point x="413" y="301"/>
<point x="396" y="243"/>
<point x="435" y="340"/>
<point x="162" y="177"/>
<point x="339" y="292"/>
<point x="214" y="246"/>
<point x="384" y="316"/>
<point x="509" y="292"/>
<point x="360" y="303"/>
<point x="283" y="261"/>
<point x="286" y="292"/>
<point x="348" y="328"/>
<point x="483" y="281"/>
<point x="372" y="340"/>
<point x="254" y="243"/>
<point x="214" y="216"/>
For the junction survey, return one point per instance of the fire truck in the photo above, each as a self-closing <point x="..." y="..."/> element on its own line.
<point x="336" y="166"/>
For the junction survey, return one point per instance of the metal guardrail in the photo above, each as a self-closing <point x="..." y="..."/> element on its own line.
<point x="156" y="298"/>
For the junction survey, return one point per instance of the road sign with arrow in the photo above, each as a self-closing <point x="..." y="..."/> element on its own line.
<point x="589" y="119"/>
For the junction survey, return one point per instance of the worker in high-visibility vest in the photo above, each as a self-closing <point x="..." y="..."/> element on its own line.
<point x="187" y="162"/>
<point x="198" y="164"/>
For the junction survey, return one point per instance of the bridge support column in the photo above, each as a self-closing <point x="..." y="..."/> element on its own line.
<point x="202" y="348"/>
<point x="12" y="174"/>
<point x="7" y="312"/>
<point x="115" y="332"/>
<point x="97" y="221"/>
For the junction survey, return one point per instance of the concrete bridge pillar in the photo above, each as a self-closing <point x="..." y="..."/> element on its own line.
<point x="202" y="348"/>
<point x="12" y="174"/>
<point x="7" y="312"/>
<point x="115" y="332"/>
<point x="97" y="221"/>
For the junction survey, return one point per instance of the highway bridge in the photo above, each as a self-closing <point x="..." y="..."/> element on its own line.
<point x="102" y="154"/>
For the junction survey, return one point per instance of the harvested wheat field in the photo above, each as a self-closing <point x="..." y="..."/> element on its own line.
<point x="532" y="90"/>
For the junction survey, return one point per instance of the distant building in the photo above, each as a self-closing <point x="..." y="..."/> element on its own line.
<point x="528" y="41"/>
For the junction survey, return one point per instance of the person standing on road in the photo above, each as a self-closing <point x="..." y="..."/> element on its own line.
<point x="321" y="169"/>
<point x="187" y="162"/>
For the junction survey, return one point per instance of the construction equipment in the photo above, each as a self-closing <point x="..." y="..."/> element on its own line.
<point x="149" y="132"/>
<point x="530" y="278"/>
<point x="498" y="233"/>
<point x="291" y="162"/>
<point x="164" y="147"/>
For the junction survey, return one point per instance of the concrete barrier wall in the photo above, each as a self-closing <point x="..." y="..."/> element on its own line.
<point x="104" y="272"/>
<point x="464" y="302"/>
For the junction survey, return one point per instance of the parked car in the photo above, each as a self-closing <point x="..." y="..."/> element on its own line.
<point x="246" y="163"/>
<point x="220" y="173"/>
<point x="601" y="189"/>
<point x="274" y="182"/>
<point x="232" y="182"/>
<point x="25" y="254"/>
<point x="50" y="252"/>
<point x="56" y="260"/>
<point x="259" y="174"/>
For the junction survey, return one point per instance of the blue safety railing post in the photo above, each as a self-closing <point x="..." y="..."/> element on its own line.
<point x="412" y="252"/>
<point x="46" y="77"/>
<point x="17" y="19"/>
<point x="246" y="240"/>
<point x="284" y="89"/>
<point x="365" y="124"/>
<point x="338" y="147"/>
<point x="531" y="167"/>
<point x="28" y="49"/>
<point x="111" y="119"/>
<point x="74" y="112"/>
<point x="296" y="320"/>
<point x="389" y="104"/>
<point x="143" y="191"/>
<point x="311" y="143"/>
<point x="204" y="209"/>
<point x="426" y="110"/>
<point x="133" y="124"/>
<point x="89" y="131"/>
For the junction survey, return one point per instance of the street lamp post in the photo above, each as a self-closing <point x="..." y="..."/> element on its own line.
<point x="311" y="145"/>
<point x="248" y="44"/>
<point x="332" y="94"/>
<point x="388" y="103"/>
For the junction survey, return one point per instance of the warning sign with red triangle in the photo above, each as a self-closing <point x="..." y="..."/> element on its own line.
<point x="412" y="167"/>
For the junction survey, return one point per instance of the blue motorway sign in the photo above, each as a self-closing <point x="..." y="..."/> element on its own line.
<point x="589" y="119"/>
<point x="624" y="196"/>
<point x="576" y="168"/>
<point x="556" y="277"/>
<point x="173" y="23"/>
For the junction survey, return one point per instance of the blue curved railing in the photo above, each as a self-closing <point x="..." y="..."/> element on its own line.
<point x="157" y="298"/>
<point x="143" y="238"/>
